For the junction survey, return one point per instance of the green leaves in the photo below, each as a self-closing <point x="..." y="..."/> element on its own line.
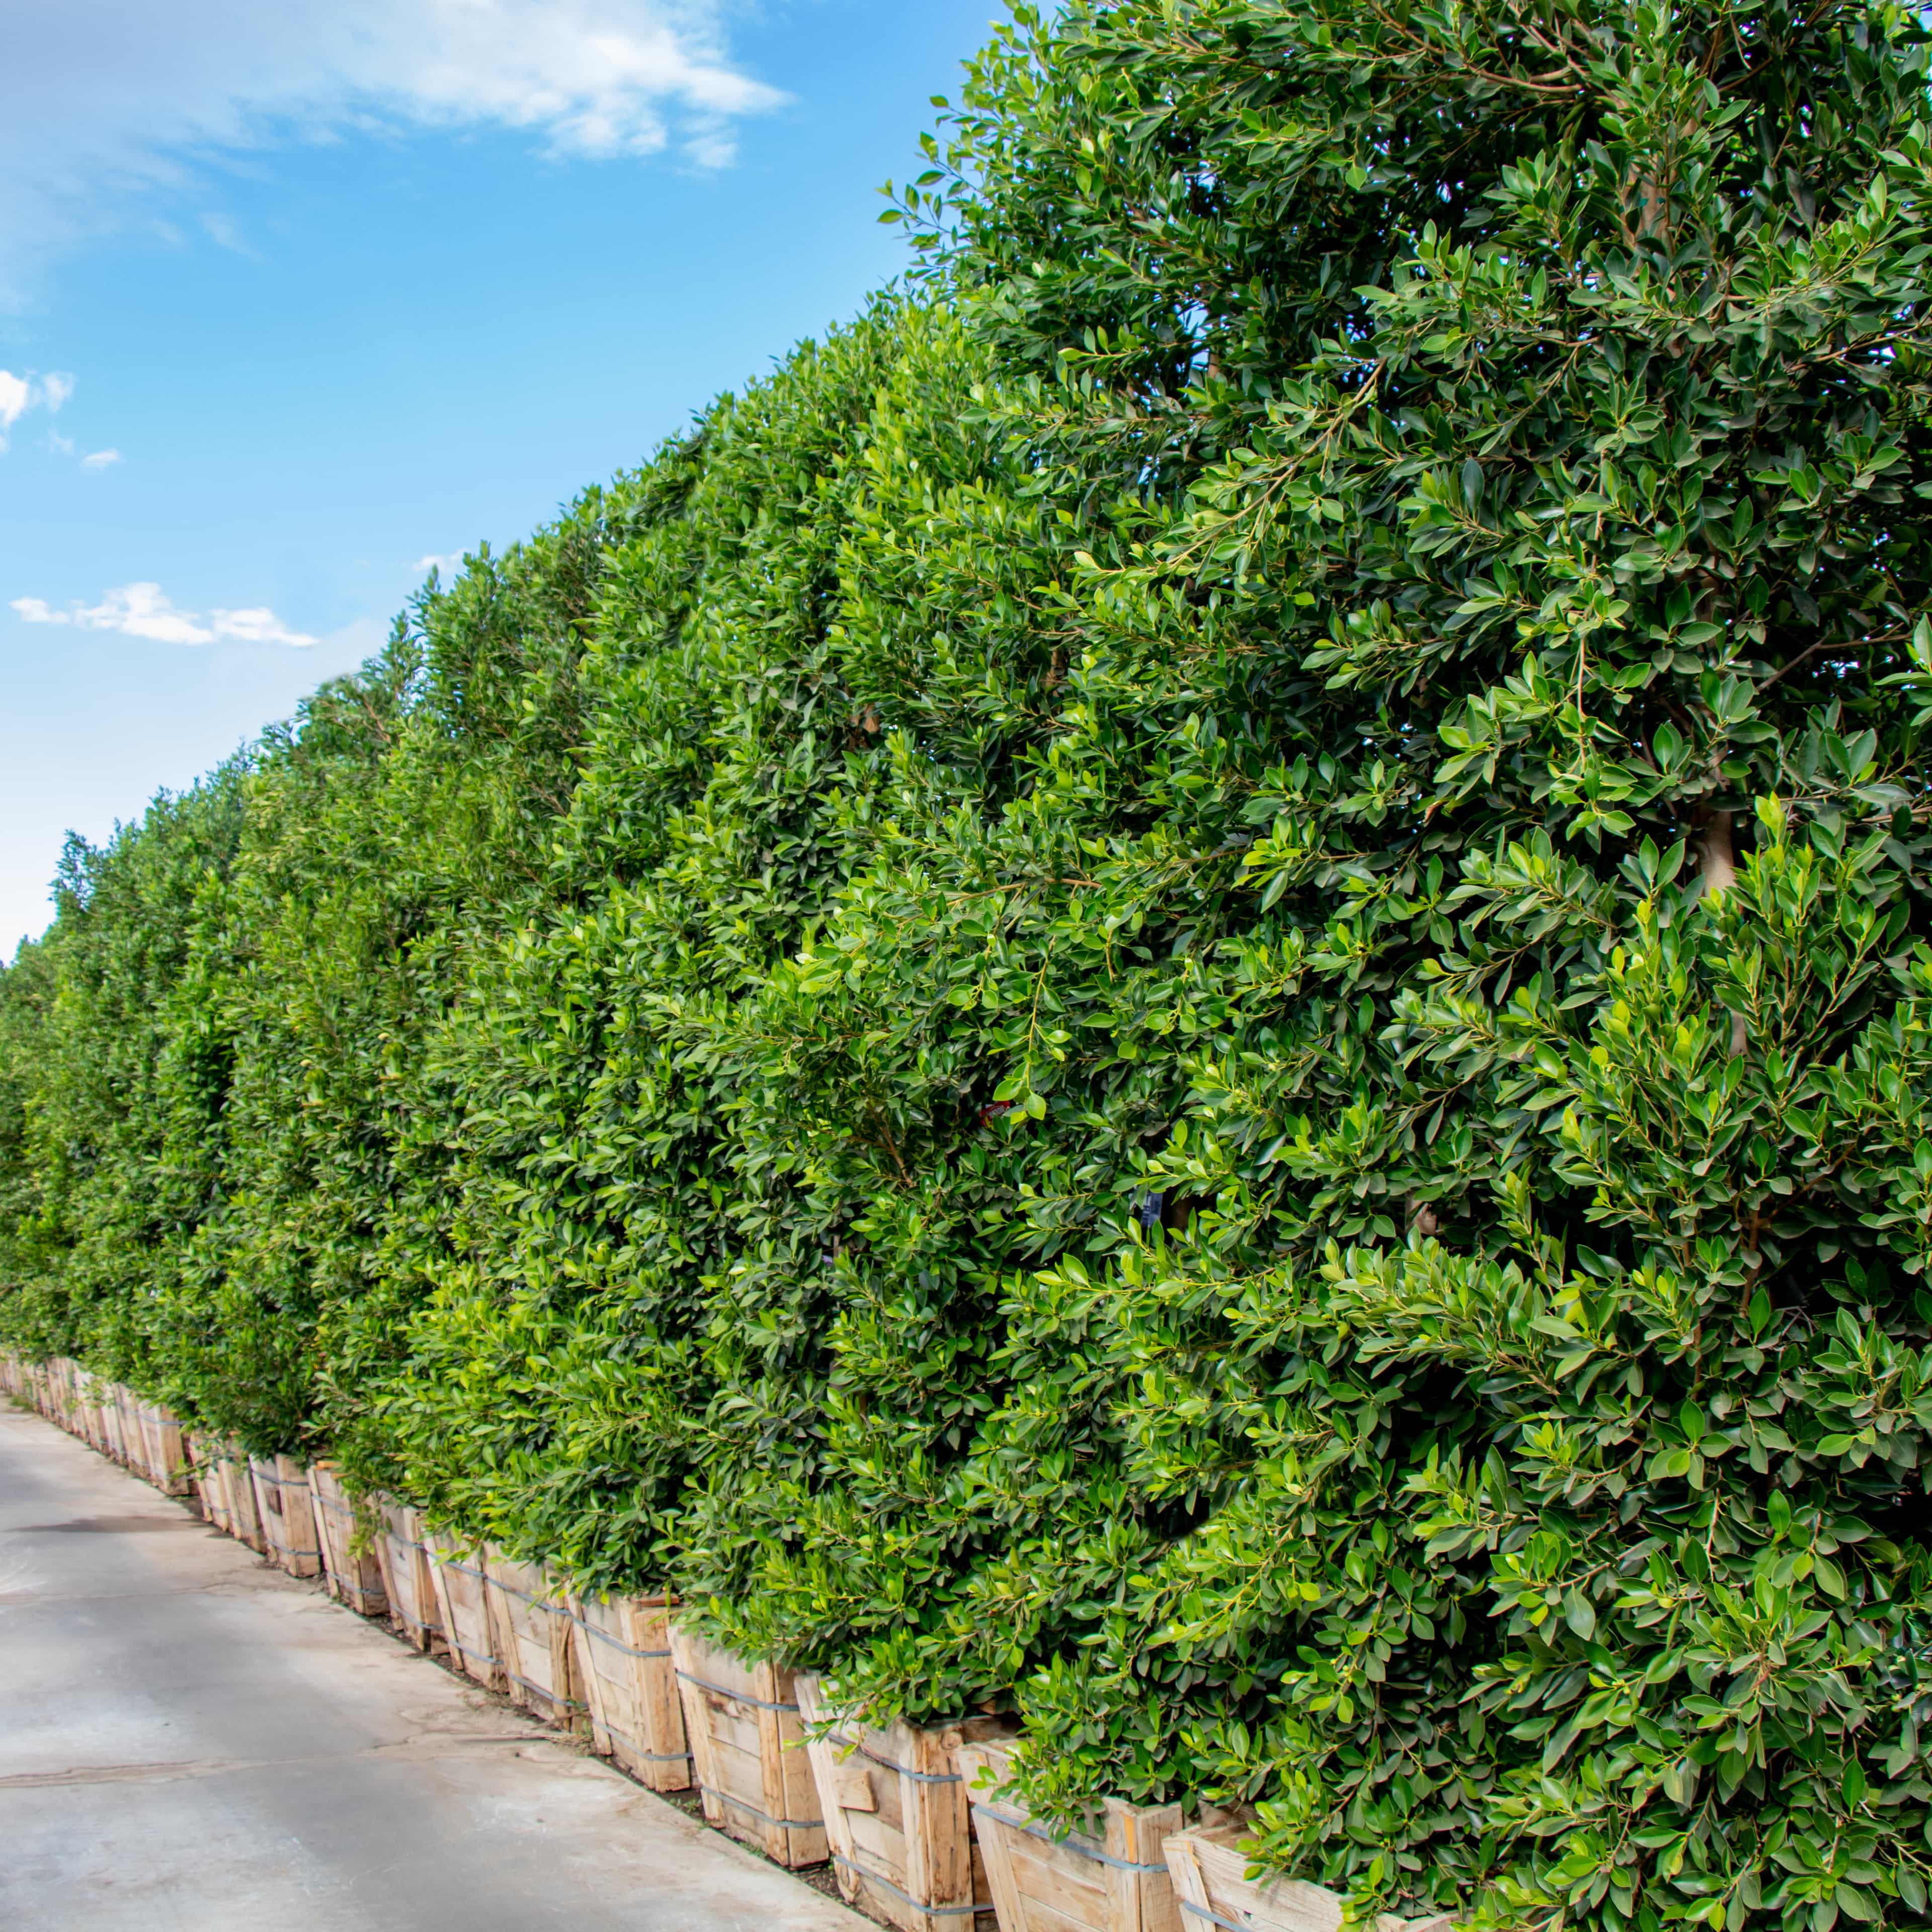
<point x="1189" y="991"/>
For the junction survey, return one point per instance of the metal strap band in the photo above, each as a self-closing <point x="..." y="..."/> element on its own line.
<point x="509" y="1589"/>
<point x="542" y="1690"/>
<point x="1188" y="1905"/>
<point x="616" y="1643"/>
<point x="745" y="1805"/>
<point x="918" y="1904"/>
<point x="738" y="1697"/>
<point x="287" y="1550"/>
<point x="1066" y="1839"/>
<point x="412" y="1616"/>
<point x="637" y="1749"/>
<point x="886" y="1763"/>
<point x="463" y="1650"/>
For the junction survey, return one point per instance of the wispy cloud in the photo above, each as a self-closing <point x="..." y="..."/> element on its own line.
<point x="225" y="232"/>
<point x="109" y="110"/>
<point x="145" y="611"/>
<point x="436" y="561"/>
<point x="19" y="394"/>
<point x="100" y="459"/>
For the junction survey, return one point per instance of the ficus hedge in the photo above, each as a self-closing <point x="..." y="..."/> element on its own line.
<point x="1188" y="988"/>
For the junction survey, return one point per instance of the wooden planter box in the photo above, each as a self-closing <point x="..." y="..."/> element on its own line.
<point x="60" y="1393"/>
<point x="94" y="1396"/>
<point x="353" y="1579"/>
<point x="462" y="1597"/>
<point x="164" y="1461"/>
<point x="238" y="1492"/>
<point x="208" y="1485"/>
<point x="285" y="1515"/>
<point x="1044" y="1880"/>
<point x="625" y="1675"/>
<point x="129" y="1450"/>
<point x="107" y="1410"/>
<point x="746" y="1747"/>
<point x="897" y="1816"/>
<point x="1212" y="1889"/>
<point x="406" y="1581"/>
<point x="533" y="1630"/>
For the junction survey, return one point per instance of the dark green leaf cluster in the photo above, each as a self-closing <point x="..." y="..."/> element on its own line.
<point x="1189" y="988"/>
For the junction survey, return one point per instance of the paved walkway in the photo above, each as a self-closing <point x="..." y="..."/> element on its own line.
<point x="191" y="1739"/>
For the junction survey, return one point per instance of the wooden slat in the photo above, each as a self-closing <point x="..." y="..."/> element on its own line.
<point x="286" y="1516"/>
<point x="238" y="1489"/>
<point x="464" y="1603"/>
<point x="741" y="1721"/>
<point x="624" y="1665"/>
<point x="1212" y="1890"/>
<point x="354" y="1578"/>
<point x="407" y="1584"/>
<point x="898" y="1824"/>
<point x="1045" y="1882"/>
<point x="533" y="1637"/>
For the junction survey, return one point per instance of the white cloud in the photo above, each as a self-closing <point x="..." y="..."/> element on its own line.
<point x="225" y="232"/>
<point x="145" y="611"/>
<point x="101" y="459"/>
<point x="19" y="394"/>
<point x="258" y="625"/>
<point x="109" y="107"/>
<point x="432" y="561"/>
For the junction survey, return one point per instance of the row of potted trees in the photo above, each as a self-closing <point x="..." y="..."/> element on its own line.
<point x="920" y="1823"/>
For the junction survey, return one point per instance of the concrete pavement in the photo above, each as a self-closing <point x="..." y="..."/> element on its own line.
<point x="191" y="1739"/>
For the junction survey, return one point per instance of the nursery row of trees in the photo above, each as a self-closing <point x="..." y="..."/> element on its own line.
<point x="1185" y="989"/>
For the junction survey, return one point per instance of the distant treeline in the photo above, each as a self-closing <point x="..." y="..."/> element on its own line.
<point x="1185" y="989"/>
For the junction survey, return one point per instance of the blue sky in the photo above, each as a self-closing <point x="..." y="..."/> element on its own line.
<point x="295" y="298"/>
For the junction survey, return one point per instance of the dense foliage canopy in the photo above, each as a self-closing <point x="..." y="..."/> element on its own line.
<point x="1189" y="988"/>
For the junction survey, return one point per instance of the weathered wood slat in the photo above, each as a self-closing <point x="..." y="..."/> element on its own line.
<point x="355" y="1578"/>
<point x="626" y="1678"/>
<point x="1043" y="1880"/>
<point x="463" y="1594"/>
<point x="163" y="1460"/>
<point x="238" y="1488"/>
<point x="209" y="1487"/>
<point x="746" y="1743"/>
<point x="1212" y="1889"/>
<point x="286" y="1514"/>
<point x="407" y="1582"/>
<point x="533" y="1635"/>
<point x="899" y="1824"/>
